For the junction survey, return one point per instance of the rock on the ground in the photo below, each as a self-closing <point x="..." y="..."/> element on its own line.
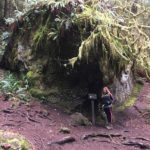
<point x="64" y="130"/>
<point x="79" y="119"/>
<point x="5" y="146"/>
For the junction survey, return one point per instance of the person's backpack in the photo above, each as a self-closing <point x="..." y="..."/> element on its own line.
<point x="106" y="100"/>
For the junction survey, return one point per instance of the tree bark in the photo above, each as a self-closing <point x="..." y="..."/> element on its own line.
<point x="5" y="8"/>
<point x="1" y="9"/>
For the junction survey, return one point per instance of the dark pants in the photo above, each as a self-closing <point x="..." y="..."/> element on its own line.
<point x="108" y="112"/>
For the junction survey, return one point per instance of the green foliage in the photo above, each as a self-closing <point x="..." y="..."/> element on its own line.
<point x="9" y="20"/>
<point x="41" y="94"/>
<point x="64" y="20"/>
<point x="4" y="40"/>
<point x="40" y="38"/>
<point x="12" y="87"/>
<point x="140" y="80"/>
<point x="32" y="76"/>
<point x="103" y="38"/>
<point x="20" y="13"/>
<point x="118" y="46"/>
<point x="31" y="3"/>
<point x="5" y="35"/>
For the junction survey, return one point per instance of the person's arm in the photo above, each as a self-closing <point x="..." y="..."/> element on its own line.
<point x="111" y="97"/>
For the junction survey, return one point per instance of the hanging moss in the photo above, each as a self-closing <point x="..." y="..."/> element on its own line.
<point x="39" y="39"/>
<point x="32" y="75"/>
<point x="41" y="93"/>
<point x="61" y="39"/>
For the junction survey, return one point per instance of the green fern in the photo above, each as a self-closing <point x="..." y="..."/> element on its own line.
<point x="11" y="86"/>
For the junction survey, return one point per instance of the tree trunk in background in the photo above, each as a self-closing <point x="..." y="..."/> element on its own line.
<point x="5" y="9"/>
<point x="10" y="9"/>
<point x="1" y="10"/>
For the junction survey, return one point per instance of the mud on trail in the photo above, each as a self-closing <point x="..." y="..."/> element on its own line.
<point x="40" y="124"/>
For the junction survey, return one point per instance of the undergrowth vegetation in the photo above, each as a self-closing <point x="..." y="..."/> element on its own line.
<point x="114" y="26"/>
<point x="114" y="23"/>
<point x="12" y="86"/>
<point x="3" y="40"/>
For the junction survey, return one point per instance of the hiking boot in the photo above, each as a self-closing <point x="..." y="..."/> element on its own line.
<point x="109" y="127"/>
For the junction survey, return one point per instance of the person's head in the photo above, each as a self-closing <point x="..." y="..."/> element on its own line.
<point x="105" y="90"/>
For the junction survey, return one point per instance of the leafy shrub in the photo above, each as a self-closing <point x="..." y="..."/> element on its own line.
<point x="4" y="35"/>
<point x="3" y="40"/>
<point x="9" y="20"/>
<point x="140" y="80"/>
<point x="12" y="87"/>
<point x="19" y="13"/>
<point x="28" y="5"/>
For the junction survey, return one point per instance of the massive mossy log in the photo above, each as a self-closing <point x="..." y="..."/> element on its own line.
<point x="70" y="49"/>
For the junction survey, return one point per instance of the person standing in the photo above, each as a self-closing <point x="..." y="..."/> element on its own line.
<point x="106" y="104"/>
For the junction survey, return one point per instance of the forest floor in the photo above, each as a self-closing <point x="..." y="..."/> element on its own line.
<point x="40" y="124"/>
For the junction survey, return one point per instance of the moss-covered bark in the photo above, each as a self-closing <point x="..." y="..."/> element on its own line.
<point x="68" y="50"/>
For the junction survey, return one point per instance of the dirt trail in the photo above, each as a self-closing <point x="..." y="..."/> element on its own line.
<point x="40" y="124"/>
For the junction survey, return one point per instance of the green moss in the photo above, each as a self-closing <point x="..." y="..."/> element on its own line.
<point x="40" y="40"/>
<point x="32" y="75"/>
<point x="147" y="106"/>
<point x="26" y="54"/>
<point x="90" y="32"/>
<point x="132" y="98"/>
<point x="41" y="93"/>
<point x="33" y="78"/>
<point x="15" y="140"/>
<point x="128" y="103"/>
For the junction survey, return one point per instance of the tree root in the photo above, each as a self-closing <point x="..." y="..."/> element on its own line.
<point x="137" y="109"/>
<point x="147" y="75"/>
<point x="87" y="136"/>
<point x="64" y="140"/>
<point x="8" y="124"/>
<point x="31" y="119"/>
<point x="8" y="111"/>
<point x="137" y="144"/>
<point x="144" y="139"/>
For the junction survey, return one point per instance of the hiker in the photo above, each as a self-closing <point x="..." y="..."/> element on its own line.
<point x="106" y="105"/>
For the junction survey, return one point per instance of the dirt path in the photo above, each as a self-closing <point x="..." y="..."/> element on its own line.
<point x="40" y="124"/>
